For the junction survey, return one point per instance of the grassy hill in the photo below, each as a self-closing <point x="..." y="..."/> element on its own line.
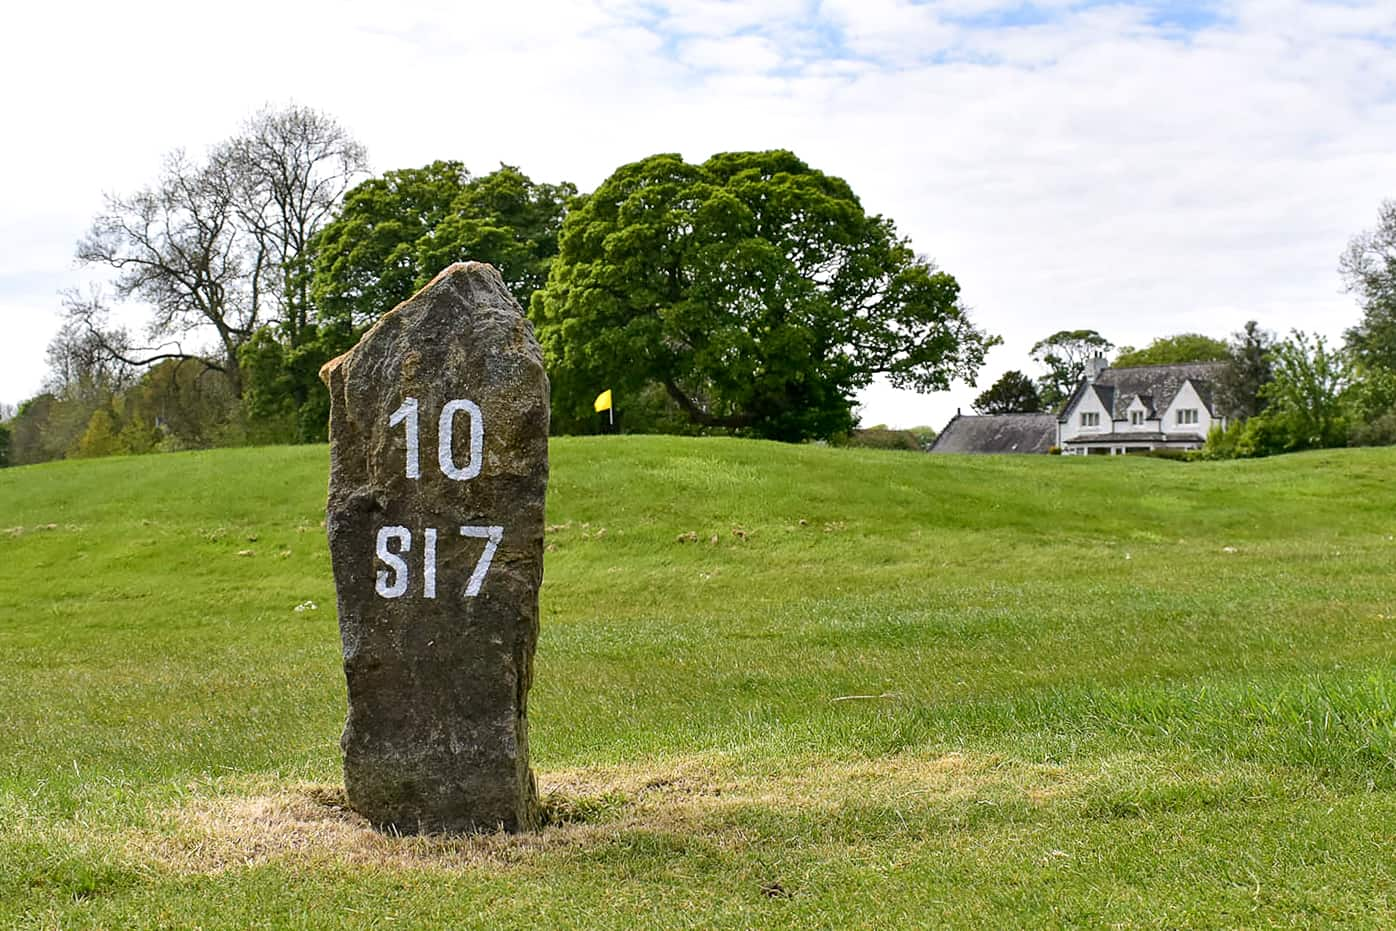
<point x="776" y="686"/>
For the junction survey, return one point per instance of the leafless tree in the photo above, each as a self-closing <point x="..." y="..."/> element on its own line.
<point x="179" y="246"/>
<point x="87" y="355"/>
<point x="220" y="244"/>
<point x="1368" y="267"/>
<point x="291" y="168"/>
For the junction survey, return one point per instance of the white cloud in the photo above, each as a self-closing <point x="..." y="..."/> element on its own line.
<point x="895" y="31"/>
<point x="739" y="56"/>
<point x="723" y="18"/>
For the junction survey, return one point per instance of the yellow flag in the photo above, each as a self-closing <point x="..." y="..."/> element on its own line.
<point x="603" y="401"/>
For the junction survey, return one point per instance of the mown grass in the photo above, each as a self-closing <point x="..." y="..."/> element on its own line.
<point x="777" y="686"/>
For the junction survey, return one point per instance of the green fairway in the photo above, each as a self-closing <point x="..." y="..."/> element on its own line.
<point x="785" y="686"/>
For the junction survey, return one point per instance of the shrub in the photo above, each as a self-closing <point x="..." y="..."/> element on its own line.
<point x="1380" y="431"/>
<point x="1223" y="443"/>
<point x="883" y="438"/>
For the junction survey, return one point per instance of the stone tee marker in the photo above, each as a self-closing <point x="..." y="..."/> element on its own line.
<point x="438" y="470"/>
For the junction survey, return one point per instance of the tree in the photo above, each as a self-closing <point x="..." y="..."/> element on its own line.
<point x="1065" y="354"/>
<point x="754" y="289"/>
<point x="289" y="169"/>
<point x="1372" y="402"/>
<point x="81" y="363"/>
<point x="1304" y="400"/>
<point x="1166" y="350"/>
<point x="1249" y="371"/>
<point x="100" y="436"/>
<point x="1368" y="267"/>
<point x="391" y="236"/>
<point x="365" y="258"/>
<point x="28" y="429"/>
<point x="1013" y="393"/>
<point x="178" y="246"/>
<point x="82" y="378"/>
<point x="222" y="245"/>
<point x="182" y="404"/>
<point x="395" y="232"/>
<point x="503" y="218"/>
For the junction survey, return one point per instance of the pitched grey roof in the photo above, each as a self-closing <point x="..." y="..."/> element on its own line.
<point x="997" y="433"/>
<point x="1106" y="393"/>
<point x="1157" y="384"/>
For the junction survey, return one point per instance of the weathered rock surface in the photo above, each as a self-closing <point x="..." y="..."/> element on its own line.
<point x="437" y="548"/>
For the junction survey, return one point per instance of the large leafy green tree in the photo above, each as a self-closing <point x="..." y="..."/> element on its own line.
<point x="365" y="259"/>
<point x="755" y="290"/>
<point x="504" y="218"/>
<point x="1064" y="354"/>
<point x="392" y="235"/>
<point x="1013" y="393"/>
<point x="1305" y="403"/>
<point x="1185" y="347"/>
<point x="396" y="231"/>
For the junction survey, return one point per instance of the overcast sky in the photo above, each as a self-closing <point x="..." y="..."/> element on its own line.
<point x="1139" y="168"/>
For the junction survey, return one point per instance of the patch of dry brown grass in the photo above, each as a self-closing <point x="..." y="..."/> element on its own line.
<point x="311" y="825"/>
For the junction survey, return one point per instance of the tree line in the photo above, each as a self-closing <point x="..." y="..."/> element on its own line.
<point x="749" y="294"/>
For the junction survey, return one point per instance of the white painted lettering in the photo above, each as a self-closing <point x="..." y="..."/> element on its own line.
<point x="445" y="436"/>
<point x="429" y="563"/>
<point x="408" y="412"/>
<point x="396" y="564"/>
<point x="492" y="536"/>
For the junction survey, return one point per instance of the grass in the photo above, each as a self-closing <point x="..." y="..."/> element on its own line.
<point x="777" y="686"/>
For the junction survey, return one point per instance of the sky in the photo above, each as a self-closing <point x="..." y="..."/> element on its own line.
<point x="1138" y="168"/>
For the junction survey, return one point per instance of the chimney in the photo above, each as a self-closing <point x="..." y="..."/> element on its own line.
<point x="1094" y="366"/>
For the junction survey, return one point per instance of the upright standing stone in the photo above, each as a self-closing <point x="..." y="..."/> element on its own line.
<point x="438" y="470"/>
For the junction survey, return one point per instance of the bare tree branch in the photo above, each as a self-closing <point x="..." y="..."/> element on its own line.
<point x="89" y="341"/>
<point x="290" y="169"/>
<point x="177" y="245"/>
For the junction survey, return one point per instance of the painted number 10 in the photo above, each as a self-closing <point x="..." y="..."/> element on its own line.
<point x="392" y="582"/>
<point x="445" y="435"/>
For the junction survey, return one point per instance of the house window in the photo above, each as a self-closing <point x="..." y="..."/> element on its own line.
<point x="1187" y="415"/>
<point x="1136" y="417"/>
<point x="1090" y="419"/>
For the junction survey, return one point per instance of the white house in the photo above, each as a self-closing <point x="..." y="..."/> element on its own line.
<point x="1127" y="410"/>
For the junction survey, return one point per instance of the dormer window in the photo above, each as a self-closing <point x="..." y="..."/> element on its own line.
<point x="1090" y="419"/>
<point x="1187" y="415"/>
<point x="1136" y="418"/>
